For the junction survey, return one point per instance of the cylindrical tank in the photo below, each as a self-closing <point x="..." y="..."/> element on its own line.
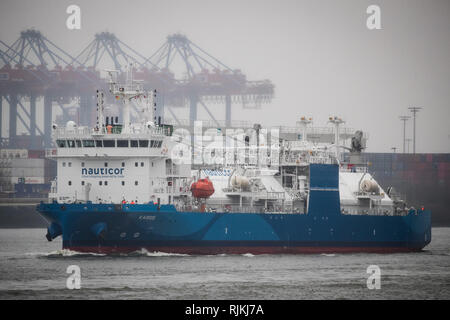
<point x="203" y="188"/>
<point x="370" y="186"/>
<point x="240" y="182"/>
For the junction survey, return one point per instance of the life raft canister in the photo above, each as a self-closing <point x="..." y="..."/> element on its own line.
<point x="203" y="188"/>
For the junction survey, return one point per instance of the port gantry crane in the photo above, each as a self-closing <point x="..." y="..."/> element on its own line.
<point x="34" y="67"/>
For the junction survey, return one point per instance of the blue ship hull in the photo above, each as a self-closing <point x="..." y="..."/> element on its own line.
<point x="109" y="228"/>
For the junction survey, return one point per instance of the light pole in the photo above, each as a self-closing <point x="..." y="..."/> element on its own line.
<point x="408" y="141"/>
<point x="414" y="110"/>
<point x="404" y="119"/>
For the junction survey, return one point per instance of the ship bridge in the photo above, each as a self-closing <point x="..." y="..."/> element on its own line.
<point x="86" y="142"/>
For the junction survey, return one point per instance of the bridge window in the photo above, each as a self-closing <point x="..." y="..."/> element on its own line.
<point x="88" y="143"/>
<point x="134" y="143"/>
<point x="61" y="143"/>
<point x="71" y="143"/>
<point x="109" y="143"/>
<point x="99" y="143"/>
<point x="122" y="143"/>
<point x="143" y="143"/>
<point x="78" y="142"/>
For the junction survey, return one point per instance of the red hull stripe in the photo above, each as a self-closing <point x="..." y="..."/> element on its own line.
<point x="243" y="250"/>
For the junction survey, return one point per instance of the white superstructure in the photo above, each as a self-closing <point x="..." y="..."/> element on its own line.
<point x="140" y="163"/>
<point x="112" y="163"/>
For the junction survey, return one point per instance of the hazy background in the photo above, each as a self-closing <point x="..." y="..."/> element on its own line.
<point x="319" y="54"/>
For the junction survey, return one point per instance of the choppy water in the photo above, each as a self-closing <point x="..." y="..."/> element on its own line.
<point x="32" y="268"/>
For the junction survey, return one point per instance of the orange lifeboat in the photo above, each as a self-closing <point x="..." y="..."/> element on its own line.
<point x="203" y="188"/>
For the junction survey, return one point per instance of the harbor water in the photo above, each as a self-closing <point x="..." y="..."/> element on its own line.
<point x="32" y="268"/>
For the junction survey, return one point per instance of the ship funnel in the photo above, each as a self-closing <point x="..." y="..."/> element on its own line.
<point x="53" y="231"/>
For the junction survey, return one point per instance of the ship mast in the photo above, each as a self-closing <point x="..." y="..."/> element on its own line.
<point x="100" y="109"/>
<point x="337" y="122"/>
<point x="304" y="124"/>
<point x="130" y="90"/>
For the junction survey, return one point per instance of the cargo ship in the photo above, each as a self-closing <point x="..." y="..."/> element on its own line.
<point x="145" y="185"/>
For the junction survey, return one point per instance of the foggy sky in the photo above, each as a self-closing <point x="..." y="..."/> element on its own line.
<point x="319" y="54"/>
